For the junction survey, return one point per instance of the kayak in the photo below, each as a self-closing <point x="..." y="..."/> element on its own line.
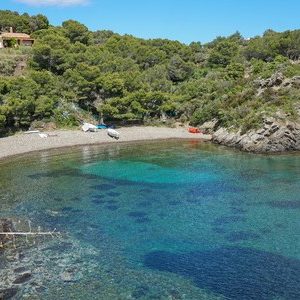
<point x="101" y="126"/>
<point x="194" y="130"/>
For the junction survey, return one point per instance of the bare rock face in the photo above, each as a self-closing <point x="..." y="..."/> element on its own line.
<point x="275" y="136"/>
<point x="292" y="82"/>
<point x="209" y="126"/>
<point x="275" y="80"/>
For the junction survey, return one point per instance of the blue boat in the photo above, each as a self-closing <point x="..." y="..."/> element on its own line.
<point x="101" y="126"/>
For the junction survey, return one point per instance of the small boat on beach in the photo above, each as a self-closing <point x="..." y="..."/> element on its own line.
<point x="101" y="126"/>
<point x="88" y="127"/>
<point x="113" y="133"/>
<point x="194" y="130"/>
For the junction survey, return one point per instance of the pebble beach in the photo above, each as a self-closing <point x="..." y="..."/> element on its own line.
<point x="24" y="143"/>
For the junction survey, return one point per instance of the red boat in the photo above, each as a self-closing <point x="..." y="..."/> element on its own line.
<point x="194" y="130"/>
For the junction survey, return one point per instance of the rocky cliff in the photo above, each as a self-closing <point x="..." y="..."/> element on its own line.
<point x="277" y="133"/>
<point x="275" y="136"/>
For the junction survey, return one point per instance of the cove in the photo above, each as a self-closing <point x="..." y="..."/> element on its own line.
<point x="153" y="220"/>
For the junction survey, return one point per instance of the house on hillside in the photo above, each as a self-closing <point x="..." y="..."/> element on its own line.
<point x="14" y="39"/>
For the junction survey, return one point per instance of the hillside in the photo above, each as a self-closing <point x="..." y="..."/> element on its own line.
<point x="13" y="62"/>
<point x="73" y="72"/>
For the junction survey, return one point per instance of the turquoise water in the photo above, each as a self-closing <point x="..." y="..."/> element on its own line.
<point x="155" y="220"/>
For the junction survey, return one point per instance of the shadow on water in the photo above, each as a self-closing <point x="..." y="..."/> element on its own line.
<point x="236" y="273"/>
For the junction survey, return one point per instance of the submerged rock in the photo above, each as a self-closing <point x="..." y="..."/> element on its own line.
<point x="8" y="293"/>
<point x="67" y="277"/>
<point x="6" y="225"/>
<point x="20" y="269"/>
<point x="23" y="278"/>
<point x="70" y="276"/>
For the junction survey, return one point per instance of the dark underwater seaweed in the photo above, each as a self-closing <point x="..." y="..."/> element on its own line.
<point x="103" y="187"/>
<point x="290" y="204"/>
<point x="241" y="235"/>
<point x="236" y="273"/>
<point x="137" y="214"/>
<point x="229" y="219"/>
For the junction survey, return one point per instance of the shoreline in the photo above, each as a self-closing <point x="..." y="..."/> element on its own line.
<point x="26" y="143"/>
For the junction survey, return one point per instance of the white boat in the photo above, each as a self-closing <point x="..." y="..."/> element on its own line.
<point x="113" y="133"/>
<point x="88" y="127"/>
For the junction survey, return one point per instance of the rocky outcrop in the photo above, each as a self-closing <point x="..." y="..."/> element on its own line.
<point x="292" y="82"/>
<point x="275" y="136"/>
<point x="209" y="126"/>
<point x="276" y="82"/>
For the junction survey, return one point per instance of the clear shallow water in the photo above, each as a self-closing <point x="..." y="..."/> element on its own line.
<point x="159" y="220"/>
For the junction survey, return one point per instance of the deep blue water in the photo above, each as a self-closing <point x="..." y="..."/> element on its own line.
<point x="158" y="220"/>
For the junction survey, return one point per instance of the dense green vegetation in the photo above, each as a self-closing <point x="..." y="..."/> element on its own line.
<point x="22" y="23"/>
<point x="74" y="73"/>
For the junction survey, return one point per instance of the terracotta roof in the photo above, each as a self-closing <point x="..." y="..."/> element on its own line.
<point x="15" y="35"/>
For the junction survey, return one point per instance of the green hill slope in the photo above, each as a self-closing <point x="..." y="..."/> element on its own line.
<point x="114" y="77"/>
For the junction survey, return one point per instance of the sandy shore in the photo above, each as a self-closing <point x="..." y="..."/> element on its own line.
<point x="23" y="143"/>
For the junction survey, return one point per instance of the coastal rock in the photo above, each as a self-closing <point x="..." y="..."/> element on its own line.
<point x="275" y="136"/>
<point x="209" y="126"/>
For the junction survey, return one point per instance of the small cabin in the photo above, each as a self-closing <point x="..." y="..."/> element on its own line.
<point x="14" y="39"/>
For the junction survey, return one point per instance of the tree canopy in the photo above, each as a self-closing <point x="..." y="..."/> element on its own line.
<point x="73" y="72"/>
<point x="22" y="23"/>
